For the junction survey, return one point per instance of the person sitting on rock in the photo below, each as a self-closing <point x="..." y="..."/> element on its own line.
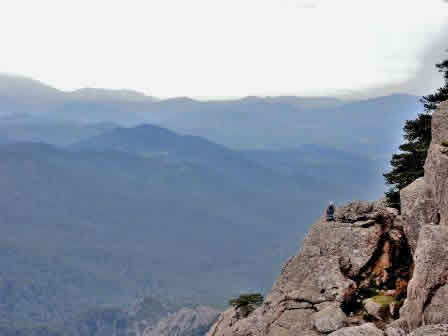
<point x="330" y="212"/>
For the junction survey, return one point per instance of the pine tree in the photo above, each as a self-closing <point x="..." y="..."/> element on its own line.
<point x="407" y="165"/>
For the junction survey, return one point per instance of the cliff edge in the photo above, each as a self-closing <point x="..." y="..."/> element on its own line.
<point x="370" y="272"/>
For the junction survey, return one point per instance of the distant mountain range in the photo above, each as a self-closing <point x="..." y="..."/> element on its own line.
<point x="248" y="123"/>
<point x="151" y="142"/>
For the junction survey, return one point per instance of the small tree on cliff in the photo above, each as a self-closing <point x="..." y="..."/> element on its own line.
<point x="247" y="303"/>
<point x="407" y="165"/>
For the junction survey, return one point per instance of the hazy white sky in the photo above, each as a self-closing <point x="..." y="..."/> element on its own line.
<point x="226" y="48"/>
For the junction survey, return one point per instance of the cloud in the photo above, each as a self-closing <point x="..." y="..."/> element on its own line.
<point x="303" y="4"/>
<point x="204" y="48"/>
<point x="310" y="5"/>
<point x="426" y="79"/>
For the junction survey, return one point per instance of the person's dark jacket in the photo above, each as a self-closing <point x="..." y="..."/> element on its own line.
<point x="330" y="212"/>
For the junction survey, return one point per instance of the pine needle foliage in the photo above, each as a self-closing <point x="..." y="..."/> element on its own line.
<point x="408" y="164"/>
<point x="247" y="301"/>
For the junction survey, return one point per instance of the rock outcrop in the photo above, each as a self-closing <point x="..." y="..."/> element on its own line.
<point x="320" y="290"/>
<point x="428" y="288"/>
<point x="436" y="166"/>
<point x="351" y="276"/>
<point x="431" y="330"/>
<point x="368" y="329"/>
<point x="417" y="209"/>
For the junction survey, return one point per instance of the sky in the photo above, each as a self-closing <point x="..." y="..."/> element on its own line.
<point x="227" y="48"/>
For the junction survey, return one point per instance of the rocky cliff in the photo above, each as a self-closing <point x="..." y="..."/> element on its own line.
<point x="370" y="272"/>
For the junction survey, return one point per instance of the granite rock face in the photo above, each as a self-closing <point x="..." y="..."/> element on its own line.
<point x="313" y="294"/>
<point x="431" y="330"/>
<point x="329" y="319"/>
<point x="417" y="209"/>
<point x="427" y="289"/>
<point x="397" y="328"/>
<point x="368" y="329"/>
<point x="436" y="166"/>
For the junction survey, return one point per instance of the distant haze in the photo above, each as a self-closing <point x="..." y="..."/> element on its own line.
<point x="232" y="48"/>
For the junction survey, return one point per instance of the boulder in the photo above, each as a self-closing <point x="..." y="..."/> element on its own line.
<point x="356" y="211"/>
<point x="378" y="310"/>
<point x="291" y="322"/>
<point x="395" y="332"/>
<point x="397" y="328"/>
<point x="417" y="209"/>
<point x="367" y="329"/>
<point x="410" y="195"/>
<point x="430" y="276"/>
<point x="431" y="330"/>
<point x="329" y="319"/>
<point x="436" y="311"/>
